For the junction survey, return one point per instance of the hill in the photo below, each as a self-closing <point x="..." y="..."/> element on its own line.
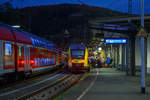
<point x="52" y="21"/>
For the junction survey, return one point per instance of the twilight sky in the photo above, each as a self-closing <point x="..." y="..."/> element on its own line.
<point x="119" y="5"/>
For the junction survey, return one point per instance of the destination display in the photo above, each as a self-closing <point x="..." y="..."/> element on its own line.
<point x="115" y="41"/>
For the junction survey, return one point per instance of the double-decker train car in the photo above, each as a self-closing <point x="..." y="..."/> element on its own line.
<point x="78" y="58"/>
<point x="22" y="53"/>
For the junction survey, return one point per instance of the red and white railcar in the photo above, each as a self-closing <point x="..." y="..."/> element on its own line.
<point x="25" y="53"/>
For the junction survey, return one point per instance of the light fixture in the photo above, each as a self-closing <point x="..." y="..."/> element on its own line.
<point x="102" y="40"/>
<point x="99" y="48"/>
<point x="16" y="26"/>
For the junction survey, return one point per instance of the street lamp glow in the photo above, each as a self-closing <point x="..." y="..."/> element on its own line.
<point x="102" y="40"/>
<point x="16" y="26"/>
<point x="99" y="48"/>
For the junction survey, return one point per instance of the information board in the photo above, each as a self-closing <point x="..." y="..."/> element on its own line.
<point x="116" y="41"/>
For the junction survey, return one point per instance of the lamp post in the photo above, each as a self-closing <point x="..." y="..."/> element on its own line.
<point x="142" y="51"/>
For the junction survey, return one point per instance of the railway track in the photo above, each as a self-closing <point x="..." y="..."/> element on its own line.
<point x="12" y="83"/>
<point x="44" y="89"/>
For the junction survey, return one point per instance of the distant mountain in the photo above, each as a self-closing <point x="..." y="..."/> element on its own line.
<point x="52" y="21"/>
<point x="117" y="5"/>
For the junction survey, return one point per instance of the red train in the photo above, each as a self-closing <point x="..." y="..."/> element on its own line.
<point x="22" y="53"/>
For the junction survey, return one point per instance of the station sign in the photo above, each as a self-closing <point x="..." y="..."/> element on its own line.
<point x="142" y="32"/>
<point x="116" y="41"/>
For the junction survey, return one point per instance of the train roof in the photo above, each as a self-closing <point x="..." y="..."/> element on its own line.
<point x="13" y="34"/>
<point x="21" y="36"/>
<point x="39" y="42"/>
<point x="77" y="46"/>
<point x="5" y="34"/>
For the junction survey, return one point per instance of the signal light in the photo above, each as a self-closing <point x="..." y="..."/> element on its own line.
<point x="66" y="35"/>
<point x="21" y="62"/>
<point x="18" y="62"/>
<point x="72" y="61"/>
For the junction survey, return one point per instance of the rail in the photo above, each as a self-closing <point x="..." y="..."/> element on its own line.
<point x="51" y="91"/>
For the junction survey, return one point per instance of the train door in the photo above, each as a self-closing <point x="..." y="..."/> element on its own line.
<point x="27" y="67"/>
<point x="20" y="58"/>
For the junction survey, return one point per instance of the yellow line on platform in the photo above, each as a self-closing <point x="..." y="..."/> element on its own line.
<point x="87" y="89"/>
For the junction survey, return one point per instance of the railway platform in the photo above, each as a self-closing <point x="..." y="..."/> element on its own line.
<point x="106" y="84"/>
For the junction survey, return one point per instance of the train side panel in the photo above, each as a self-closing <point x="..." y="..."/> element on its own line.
<point x="42" y="60"/>
<point x="22" y="52"/>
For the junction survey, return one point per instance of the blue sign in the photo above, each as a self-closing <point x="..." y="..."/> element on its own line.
<point x="115" y="41"/>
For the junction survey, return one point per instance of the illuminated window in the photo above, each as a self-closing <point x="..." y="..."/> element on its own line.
<point x="38" y="61"/>
<point x="32" y="41"/>
<point x="35" y="62"/>
<point x="48" y="60"/>
<point x="19" y="50"/>
<point x="8" y="49"/>
<point x="41" y="61"/>
<point x="35" y="42"/>
<point x="38" y="43"/>
<point x="45" y="61"/>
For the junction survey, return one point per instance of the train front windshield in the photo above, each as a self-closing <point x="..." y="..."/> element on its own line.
<point x="77" y="54"/>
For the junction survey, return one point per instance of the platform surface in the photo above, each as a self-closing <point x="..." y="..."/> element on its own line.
<point x="107" y="84"/>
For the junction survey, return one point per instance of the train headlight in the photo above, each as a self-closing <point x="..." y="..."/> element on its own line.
<point x="82" y="60"/>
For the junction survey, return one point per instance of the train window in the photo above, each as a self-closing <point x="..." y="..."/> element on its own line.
<point x="38" y="43"/>
<point x="45" y="61"/>
<point x="38" y="61"/>
<point x="8" y="49"/>
<point x="19" y="50"/>
<point x="48" y="61"/>
<point x="33" y="41"/>
<point x="77" y="53"/>
<point x="52" y="61"/>
<point x="41" y="63"/>
<point x="35" y="62"/>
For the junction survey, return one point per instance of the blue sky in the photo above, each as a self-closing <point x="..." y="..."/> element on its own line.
<point x="119" y="5"/>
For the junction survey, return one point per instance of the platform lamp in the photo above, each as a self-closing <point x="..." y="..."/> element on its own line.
<point x="100" y="48"/>
<point x="16" y="26"/>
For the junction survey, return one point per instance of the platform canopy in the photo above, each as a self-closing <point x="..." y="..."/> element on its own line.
<point x="124" y="24"/>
